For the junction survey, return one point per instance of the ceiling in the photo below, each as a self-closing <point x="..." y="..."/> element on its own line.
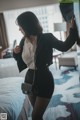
<point x="17" y="4"/>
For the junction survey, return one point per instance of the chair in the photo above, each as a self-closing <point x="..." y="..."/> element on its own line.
<point x="69" y="59"/>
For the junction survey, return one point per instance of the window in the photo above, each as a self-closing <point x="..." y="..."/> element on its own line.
<point x="46" y="14"/>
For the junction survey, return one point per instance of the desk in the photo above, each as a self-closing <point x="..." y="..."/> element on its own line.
<point x="55" y="55"/>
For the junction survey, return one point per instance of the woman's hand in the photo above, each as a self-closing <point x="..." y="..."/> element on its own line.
<point x="17" y="49"/>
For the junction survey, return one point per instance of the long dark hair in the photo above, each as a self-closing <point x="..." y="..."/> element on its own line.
<point x="29" y="23"/>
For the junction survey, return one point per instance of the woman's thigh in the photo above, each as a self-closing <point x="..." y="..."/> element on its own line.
<point x="39" y="108"/>
<point x="32" y="99"/>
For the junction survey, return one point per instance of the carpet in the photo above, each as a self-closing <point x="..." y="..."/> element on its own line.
<point x="65" y="102"/>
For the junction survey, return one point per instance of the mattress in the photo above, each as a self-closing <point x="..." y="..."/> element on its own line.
<point x="8" y="68"/>
<point x="11" y="97"/>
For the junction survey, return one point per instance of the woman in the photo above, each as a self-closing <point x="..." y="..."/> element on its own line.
<point x="35" y="53"/>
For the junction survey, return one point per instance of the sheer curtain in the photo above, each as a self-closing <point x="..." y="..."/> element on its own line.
<point x="46" y="14"/>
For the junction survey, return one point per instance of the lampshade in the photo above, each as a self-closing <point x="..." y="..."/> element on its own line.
<point x="0" y="47"/>
<point x="60" y="26"/>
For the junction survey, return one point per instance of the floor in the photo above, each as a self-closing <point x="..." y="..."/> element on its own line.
<point x="65" y="102"/>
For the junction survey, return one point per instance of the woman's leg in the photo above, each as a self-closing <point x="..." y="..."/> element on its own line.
<point x="39" y="108"/>
<point x="32" y="99"/>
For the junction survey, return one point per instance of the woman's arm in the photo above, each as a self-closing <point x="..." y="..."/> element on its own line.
<point x="17" y="51"/>
<point x="17" y="54"/>
<point x="69" y="42"/>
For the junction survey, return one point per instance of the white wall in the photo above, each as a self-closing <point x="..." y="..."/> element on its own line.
<point x="77" y="14"/>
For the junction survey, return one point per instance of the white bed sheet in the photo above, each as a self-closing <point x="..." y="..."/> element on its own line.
<point x="11" y="96"/>
<point x="8" y="68"/>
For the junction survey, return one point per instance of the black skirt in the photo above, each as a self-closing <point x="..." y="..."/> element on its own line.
<point x="44" y="83"/>
<point x="29" y="76"/>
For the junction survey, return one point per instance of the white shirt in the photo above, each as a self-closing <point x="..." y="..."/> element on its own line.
<point x="28" y="54"/>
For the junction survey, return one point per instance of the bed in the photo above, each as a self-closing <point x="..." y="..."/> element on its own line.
<point x="8" y="68"/>
<point x="12" y="99"/>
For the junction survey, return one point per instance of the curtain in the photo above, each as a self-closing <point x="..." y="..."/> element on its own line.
<point x="3" y="35"/>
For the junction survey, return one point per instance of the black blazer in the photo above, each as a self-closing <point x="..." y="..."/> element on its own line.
<point x="18" y="57"/>
<point x="44" y="51"/>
